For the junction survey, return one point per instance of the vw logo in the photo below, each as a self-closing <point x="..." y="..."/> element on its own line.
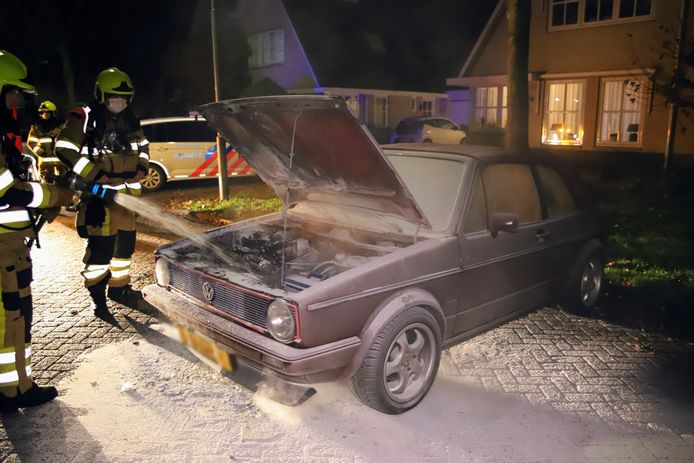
<point x="208" y="291"/>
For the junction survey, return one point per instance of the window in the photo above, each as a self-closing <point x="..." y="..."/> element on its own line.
<point x="564" y="12"/>
<point x="563" y="118"/>
<point x="266" y="48"/>
<point x="557" y="197"/>
<point x="434" y="183"/>
<point x="576" y="13"/>
<point x="511" y="189"/>
<point x="425" y="107"/>
<point x="476" y="218"/>
<point x="598" y="10"/>
<point x="634" y="8"/>
<point x="504" y="106"/>
<point x="620" y="118"/>
<point x="486" y="106"/>
<point x="381" y="111"/>
<point x="187" y="131"/>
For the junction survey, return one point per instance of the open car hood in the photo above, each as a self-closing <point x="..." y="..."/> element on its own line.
<point x="302" y="146"/>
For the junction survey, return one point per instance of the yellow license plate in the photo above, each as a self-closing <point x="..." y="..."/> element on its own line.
<point x="206" y="347"/>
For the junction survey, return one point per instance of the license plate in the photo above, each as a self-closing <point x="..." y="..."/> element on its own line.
<point x="206" y="348"/>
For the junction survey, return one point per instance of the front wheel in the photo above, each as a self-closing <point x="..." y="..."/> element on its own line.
<point x="401" y="364"/>
<point x="155" y="178"/>
<point x="584" y="290"/>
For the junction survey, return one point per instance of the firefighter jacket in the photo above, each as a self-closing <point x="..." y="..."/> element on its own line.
<point x="41" y="141"/>
<point x="96" y="142"/>
<point x="18" y="197"/>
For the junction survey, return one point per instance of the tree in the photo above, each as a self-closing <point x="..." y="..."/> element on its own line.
<point x="518" y="46"/>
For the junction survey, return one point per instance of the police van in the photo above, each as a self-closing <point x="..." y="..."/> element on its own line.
<point x="184" y="148"/>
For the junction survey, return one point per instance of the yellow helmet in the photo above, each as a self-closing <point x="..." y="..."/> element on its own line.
<point x="13" y="72"/>
<point x="115" y="82"/>
<point x="47" y="106"/>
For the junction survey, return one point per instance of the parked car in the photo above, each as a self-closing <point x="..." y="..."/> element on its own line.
<point x="419" y="129"/>
<point x="184" y="148"/>
<point x="384" y="255"/>
<point x="485" y="137"/>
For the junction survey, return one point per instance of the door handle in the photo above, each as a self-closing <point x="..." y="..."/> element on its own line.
<point x="541" y="235"/>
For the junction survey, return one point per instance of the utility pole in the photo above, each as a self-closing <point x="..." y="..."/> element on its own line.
<point x="221" y="145"/>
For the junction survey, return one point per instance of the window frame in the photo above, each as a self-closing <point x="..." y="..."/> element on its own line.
<point x="615" y="19"/>
<point x="601" y="113"/>
<point x="580" y="112"/>
<point x="262" y="45"/>
<point x="487" y="107"/>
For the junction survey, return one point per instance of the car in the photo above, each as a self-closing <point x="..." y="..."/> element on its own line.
<point x="419" y="129"/>
<point x="383" y="255"/>
<point x="184" y="148"/>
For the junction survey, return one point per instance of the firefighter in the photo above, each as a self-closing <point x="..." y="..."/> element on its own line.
<point x="103" y="143"/>
<point x="17" y="199"/>
<point x="41" y="141"/>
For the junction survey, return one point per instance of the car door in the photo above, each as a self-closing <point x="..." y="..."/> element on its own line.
<point x="505" y="272"/>
<point x="191" y="145"/>
<point x="448" y="132"/>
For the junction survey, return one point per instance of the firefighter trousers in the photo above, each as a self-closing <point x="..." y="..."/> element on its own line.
<point x="15" y="316"/>
<point x="110" y="247"/>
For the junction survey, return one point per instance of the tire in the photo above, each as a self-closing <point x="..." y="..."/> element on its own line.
<point x="155" y="178"/>
<point x="380" y="382"/>
<point x="584" y="288"/>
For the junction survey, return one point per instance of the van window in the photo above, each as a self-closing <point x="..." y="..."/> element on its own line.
<point x="189" y="131"/>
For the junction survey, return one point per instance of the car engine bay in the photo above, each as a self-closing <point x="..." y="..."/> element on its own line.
<point x="261" y="253"/>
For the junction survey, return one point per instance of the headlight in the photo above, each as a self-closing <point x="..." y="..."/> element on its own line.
<point x="280" y="321"/>
<point x="161" y="270"/>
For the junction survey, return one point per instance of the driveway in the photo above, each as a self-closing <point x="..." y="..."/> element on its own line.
<point x="548" y="386"/>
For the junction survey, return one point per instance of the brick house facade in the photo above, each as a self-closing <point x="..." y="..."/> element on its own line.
<point x="589" y="68"/>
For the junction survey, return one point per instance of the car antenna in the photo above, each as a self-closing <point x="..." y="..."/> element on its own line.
<point x="286" y="200"/>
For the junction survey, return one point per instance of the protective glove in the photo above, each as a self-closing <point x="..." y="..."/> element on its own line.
<point x="60" y="196"/>
<point x="95" y="214"/>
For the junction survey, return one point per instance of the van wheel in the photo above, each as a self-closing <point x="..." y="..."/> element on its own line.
<point x="401" y="364"/>
<point x="155" y="179"/>
<point x="584" y="289"/>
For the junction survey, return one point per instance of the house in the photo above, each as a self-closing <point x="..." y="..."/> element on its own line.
<point x="306" y="52"/>
<point x="589" y="68"/>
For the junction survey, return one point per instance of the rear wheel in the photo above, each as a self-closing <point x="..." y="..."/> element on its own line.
<point x="155" y="178"/>
<point x="401" y="364"/>
<point x="584" y="290"/>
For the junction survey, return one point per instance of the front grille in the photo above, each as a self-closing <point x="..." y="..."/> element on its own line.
<point x="239" y="303"/>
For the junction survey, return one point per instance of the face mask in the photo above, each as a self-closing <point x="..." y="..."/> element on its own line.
<point x="116" y="105"/>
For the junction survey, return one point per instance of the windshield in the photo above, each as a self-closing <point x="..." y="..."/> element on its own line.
<point x="434" y="182"/>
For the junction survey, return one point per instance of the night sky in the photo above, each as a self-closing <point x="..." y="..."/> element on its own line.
<point x="165" y="46"/>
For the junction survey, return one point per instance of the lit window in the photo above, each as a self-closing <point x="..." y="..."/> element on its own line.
<point x="622" y="103"/>
<point x="266" y="48"/>
<point x="564" y="12"/>
<point x="486" y="102"/>
<point x="634" y="8"/>
<point x="598" y="10"/>
<point x="425" y="107"/>
<point x="504" y="106"/>
<point x="563" y="123"/>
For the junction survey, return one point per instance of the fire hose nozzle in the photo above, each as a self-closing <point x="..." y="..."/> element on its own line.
<point x="100" y="191"/>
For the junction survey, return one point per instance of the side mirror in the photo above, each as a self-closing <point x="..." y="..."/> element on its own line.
<point x="503" y="222"/>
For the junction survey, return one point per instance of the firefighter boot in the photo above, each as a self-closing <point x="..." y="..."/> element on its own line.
<point x="125" y="295"/>
<point x="98" y="294"/>
<point x="37" y="395"/>
<point x="7" y="404"/>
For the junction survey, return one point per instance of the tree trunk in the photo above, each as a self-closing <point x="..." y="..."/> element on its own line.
<point x="518" y="49"/>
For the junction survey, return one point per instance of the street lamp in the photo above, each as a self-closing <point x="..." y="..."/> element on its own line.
<point x="221" y="145"/>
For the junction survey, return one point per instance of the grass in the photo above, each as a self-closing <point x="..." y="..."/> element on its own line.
<point x="650" y="268"/>
<point x="243" y="203"/>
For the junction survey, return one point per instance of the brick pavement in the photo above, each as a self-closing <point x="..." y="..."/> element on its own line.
<point x="595" y="370"/>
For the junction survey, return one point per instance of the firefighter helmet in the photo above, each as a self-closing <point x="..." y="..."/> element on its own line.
<point x="47" y="106"/>
<point x="113" y="81"/>
<point x="13" y="72"/>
